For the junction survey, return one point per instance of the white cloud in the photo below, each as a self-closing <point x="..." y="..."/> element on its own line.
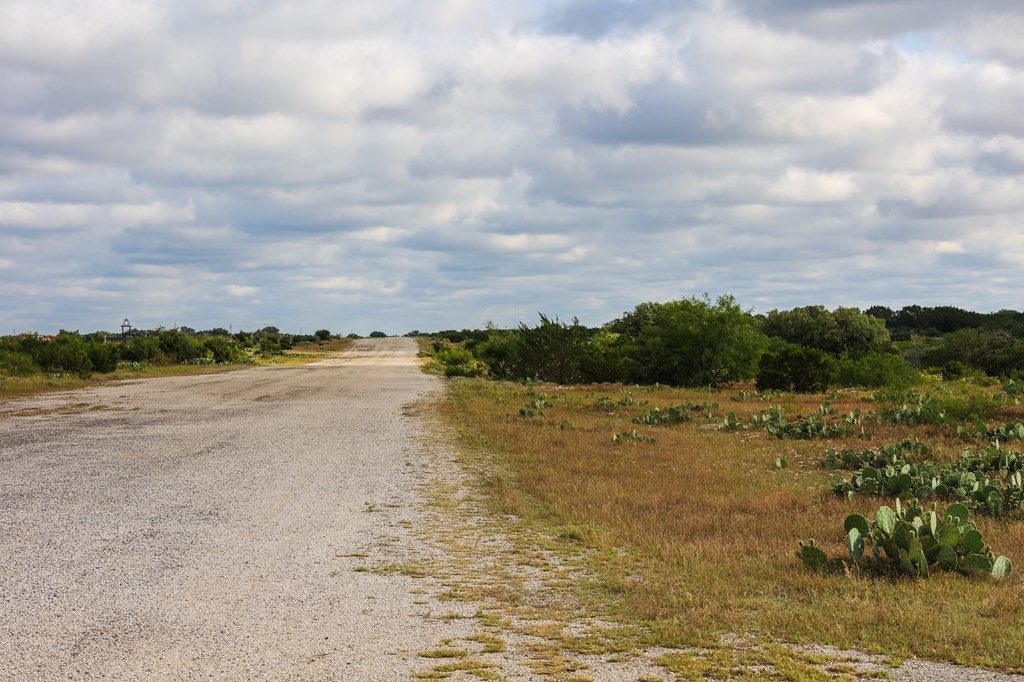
<point x="801" y="186"/>
<point x="528" y="242"/>
<point x="88" y="216"/>
<point x="242" y="290"/>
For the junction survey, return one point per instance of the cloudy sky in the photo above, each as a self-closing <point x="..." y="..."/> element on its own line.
<point x="427" y="164"/>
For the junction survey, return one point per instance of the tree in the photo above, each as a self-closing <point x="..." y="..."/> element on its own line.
<point x="322" y="334"/>
<point x="875" y="370"/>
<point x="603" y="357"/>
<point x="633" y="322"/>
<point x="796" y="368"/>
<point x="502" y="351"/>
<point x="845" y="330"/>
<point x="697" y="342"/>
<point x="179" y="347"/>
<point x="551" y="351"/>
<point x="995" y="353"/>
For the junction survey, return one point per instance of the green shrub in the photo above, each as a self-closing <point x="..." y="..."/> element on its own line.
<point x="796" y="368"/>
<point x="875" y="370"/>
<point x="951" y="406"/>
<point x="104" y="356"/>
<point x="13" y="363"/>
<point x="222" y="350"/>
<point x="502" y="352"/>
<point x="459" y="362"/>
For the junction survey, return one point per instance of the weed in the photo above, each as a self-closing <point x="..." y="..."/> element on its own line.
<point x="631" y="438"/>
<point x="444" y="653"/>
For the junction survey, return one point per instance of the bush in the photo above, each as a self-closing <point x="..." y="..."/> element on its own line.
<point x="793" y="367"/>
<point x="378" y="335"/>
<point x="946" y="406"/>
<point x="696" y="342"/>
<point x="844" y="330"/>
<point x="13" y="363"/>
<point x="142" y="349"/>
<point x="104" y="356"/>
<point x="459" y="362"/>
<point x="179" y="347"/>
<point x="875" y="370"/>
<point x="603" y="358"/>
<point x="502" y="352"/>
<point x="551" y="351"/>
<point x="222" y="350"/>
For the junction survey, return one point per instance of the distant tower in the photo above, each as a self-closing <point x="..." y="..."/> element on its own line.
<point x="126" y="329"/>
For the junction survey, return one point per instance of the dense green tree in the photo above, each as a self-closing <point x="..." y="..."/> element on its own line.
<point x="791" y="367"/>
<point x="993" y="352"/>
<point x="68" y="353"/>
<point x="604" y="357"/>
<point x="844" y="330"/>
<point x="502" y="352"/>
<point x="697" y="342"/>
<point x="142" y="348"/>
<point x="633" y="322"/>
<point x="322" y="334"/>
<point x="178" y="347"/>
<point x="884" y="313"/>
<point x="222" y="350"/>
<point x="875" y="370"/>
<point x="15" y="363"/>
<point x="552" y="350"/>
<point x="103" y="356"/>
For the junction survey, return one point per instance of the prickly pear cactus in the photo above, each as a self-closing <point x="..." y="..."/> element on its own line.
<point x="916" y="542"/>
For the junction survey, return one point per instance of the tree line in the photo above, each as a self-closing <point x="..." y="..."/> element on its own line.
<point x="700" y="341"/>
<point x="82" y="354"/>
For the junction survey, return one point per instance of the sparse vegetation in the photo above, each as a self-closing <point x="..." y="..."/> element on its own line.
<point x="663" y="519"/>
<point x="31" y="363"/>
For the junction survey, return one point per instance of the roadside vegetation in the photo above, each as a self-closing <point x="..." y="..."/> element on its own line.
<point x="797" y="477"/>
<point x="32" y="363"/>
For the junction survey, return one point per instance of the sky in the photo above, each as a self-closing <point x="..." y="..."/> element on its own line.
<point x="401" y="164"/>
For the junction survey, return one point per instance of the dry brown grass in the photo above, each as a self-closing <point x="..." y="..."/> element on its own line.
<point x="317" y="348"/>
<point x="695" y="534"/>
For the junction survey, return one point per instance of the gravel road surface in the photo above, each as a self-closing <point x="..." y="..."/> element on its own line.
<point x="211" y="527"/>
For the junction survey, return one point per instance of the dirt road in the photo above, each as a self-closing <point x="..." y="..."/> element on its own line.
<point x="212" y="526"/>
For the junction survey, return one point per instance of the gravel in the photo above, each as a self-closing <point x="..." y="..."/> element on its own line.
<point x="205" y="527"/>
